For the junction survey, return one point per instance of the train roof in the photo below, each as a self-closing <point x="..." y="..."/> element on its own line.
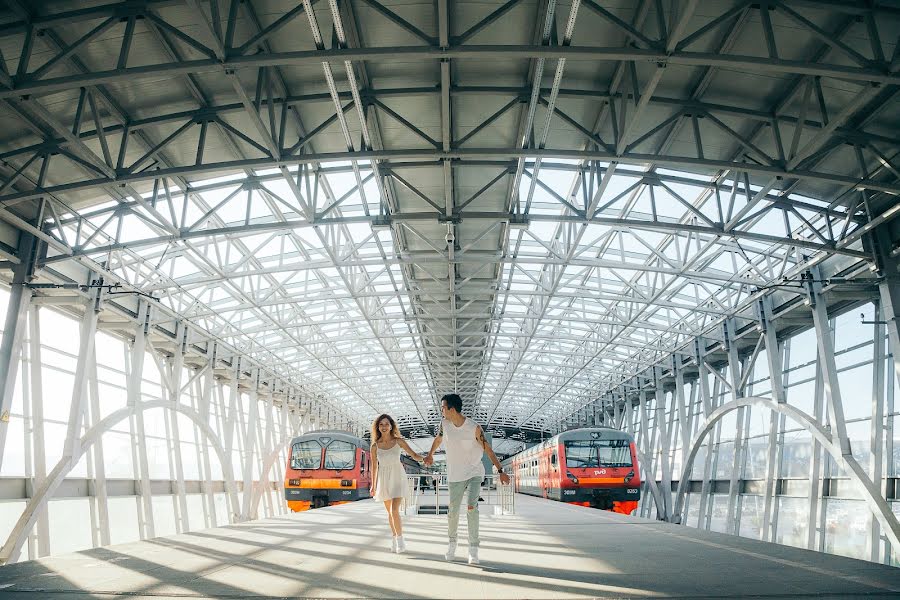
<point x="593" y="433"/>
<point x="326" y="436"/>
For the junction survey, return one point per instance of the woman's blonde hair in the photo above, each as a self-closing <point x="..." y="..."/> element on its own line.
<point x="376" y="435"/>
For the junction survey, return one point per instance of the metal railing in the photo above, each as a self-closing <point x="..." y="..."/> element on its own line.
<point x="428" y="493"/>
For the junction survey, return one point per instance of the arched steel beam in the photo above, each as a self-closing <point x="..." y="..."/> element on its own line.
<point x="17" y="537"/>
<point x="263" y="474"/>
<point x="871" y="494"/>
<point x="461" y="156"/>
<point x="469" y="52"/>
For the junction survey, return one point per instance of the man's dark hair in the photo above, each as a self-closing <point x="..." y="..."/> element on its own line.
<point x="453" y="401"/>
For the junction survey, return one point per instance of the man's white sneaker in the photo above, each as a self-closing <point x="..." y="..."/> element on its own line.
<point x="401" y="545"/>
<point x="473" y="556"/>
<point x="451" y="551"/>
<point x="393" y="544"/>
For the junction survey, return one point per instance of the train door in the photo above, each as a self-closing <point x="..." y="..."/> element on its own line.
<point x="554" y="491"/>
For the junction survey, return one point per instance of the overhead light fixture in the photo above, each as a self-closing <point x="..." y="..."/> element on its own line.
<point x="518" y="222"/>
<point x="381" y="224"/>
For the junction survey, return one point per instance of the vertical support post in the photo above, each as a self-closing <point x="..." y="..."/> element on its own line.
<point x="815" y="467"/>
<point x="679" y="398"/>
<point x="774" y="358"/>
<point x="138" y="434"/>
<point x="876" y="438"/>
<point x="205" y="383"/>
<point x="709" y="464"/>
<point x="194" y="394"/>
<point x="889" y="291"/>
<point x="100" y="493"/>
<point x="13" y="333"/>
<point x="269" y="445"/>
<point x="249" y="446"/>
<point x="182" y="520"/>
<point x="88" y="331"/>
<point x="664" y="446"/>
<point x="734" y="380"/>
<point x="629" y="415"/>
<point x="37" y="415"/>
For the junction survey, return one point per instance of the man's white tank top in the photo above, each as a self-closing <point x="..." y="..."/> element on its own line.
<point x="464" y="452"/>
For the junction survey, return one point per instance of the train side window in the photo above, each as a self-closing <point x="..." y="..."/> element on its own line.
<point x="553" y="459"/>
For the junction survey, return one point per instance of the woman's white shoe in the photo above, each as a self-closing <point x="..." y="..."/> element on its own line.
<point x="393" y="544"/>
<point x="401" y="545"/>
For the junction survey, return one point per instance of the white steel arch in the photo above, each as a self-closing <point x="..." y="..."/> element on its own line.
<point x="872" y="495"/>
<point x="13" y="545"/>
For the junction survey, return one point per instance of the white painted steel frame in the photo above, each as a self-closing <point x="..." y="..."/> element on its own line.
<point x="491" y="303"/>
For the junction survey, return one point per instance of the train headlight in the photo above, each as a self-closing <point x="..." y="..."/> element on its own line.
<point x="346" y="482"/>
<point x="293" y="482"/>
<point x="573" y="478"/>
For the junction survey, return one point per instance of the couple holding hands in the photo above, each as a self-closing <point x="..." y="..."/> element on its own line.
<point x="464" y="443"/>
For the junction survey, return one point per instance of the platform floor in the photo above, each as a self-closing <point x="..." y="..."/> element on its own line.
<point x="546" y="550"/>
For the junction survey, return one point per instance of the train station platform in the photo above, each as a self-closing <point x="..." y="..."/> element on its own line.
<point x="545" y="550"/>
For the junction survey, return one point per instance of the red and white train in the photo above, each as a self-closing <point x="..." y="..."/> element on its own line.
<point x="595" y="467"/>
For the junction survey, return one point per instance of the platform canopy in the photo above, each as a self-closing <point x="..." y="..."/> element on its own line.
<point x="381" y="201"/>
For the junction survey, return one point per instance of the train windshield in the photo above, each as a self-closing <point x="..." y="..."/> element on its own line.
<point x="340" y="455"/>
<point x="585" y="454"/>
<point x="306" y="455"/>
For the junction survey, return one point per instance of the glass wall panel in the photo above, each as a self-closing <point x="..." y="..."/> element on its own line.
<point x="796" y="454"/>
<point x="724" y="460"/>
<point x="845" y="527"/>
<point x="164" y="515"/>
<point x="10" y="511"/>
<point x="751" y="516"/>
<point x="117" y="455"/>
<point x="793" y="517"/>
<point x="70" y="521"/>
<point x="123" y="519"/>
<point x="719" y="513"/>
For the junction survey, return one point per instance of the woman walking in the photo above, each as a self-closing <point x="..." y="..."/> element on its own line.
<point x="390" y="478"/>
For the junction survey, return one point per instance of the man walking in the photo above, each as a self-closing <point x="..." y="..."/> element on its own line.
<point x="465" y="445"/>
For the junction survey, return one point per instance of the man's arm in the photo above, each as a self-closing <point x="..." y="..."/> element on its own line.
<point x="479" y="435"/>
<point x="429" y="459"/>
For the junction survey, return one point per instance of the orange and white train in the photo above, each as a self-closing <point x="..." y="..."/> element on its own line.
<point x="595" y="467"/>
<point x="331" y="467"/>
<point x="327" y="467"/>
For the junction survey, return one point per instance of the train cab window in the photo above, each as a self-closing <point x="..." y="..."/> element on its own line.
<point x="584" y="454"/>
<point x="340" y="455"/>
<point x="306" y="455"/>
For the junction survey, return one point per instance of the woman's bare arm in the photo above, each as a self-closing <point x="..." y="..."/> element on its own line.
<point x="409" y="450"/>
<point x="373" y="458"/>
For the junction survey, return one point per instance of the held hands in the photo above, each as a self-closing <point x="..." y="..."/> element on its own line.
<point x="429" y="460"/>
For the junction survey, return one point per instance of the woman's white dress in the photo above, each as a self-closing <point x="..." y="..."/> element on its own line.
<point x="391" y="477"/>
